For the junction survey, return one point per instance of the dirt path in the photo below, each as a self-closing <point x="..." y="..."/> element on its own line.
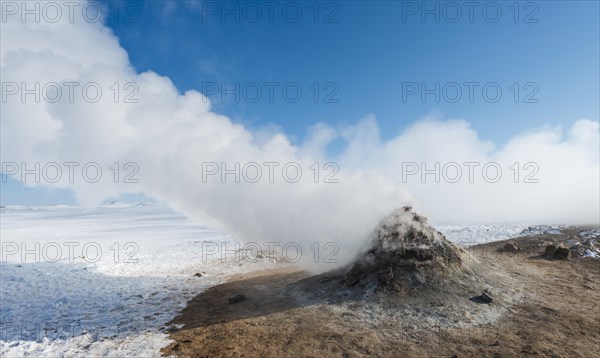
<point x="544" y="308"/>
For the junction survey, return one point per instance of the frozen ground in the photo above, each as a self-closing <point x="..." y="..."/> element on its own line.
<point x="477" y="234"/>
<point x="466" y="235"/>
<point x="104" y="282"/>
<point x="137" y="273"/>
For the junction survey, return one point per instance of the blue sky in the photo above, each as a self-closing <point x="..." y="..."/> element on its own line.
<point x="364" y="54"/>
<point x="370" y="51"/>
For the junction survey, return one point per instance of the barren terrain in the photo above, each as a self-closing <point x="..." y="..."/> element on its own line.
<point x="541" y="307"/>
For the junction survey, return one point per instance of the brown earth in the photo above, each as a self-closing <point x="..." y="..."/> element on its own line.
<point x="541" y="307"/>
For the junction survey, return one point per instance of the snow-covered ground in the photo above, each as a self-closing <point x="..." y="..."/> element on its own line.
<point x="101" y="282"/>
<point x="106" y="281"/>
<point x="467" y="235"/>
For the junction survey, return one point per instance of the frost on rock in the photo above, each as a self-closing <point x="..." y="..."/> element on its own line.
<point x="404" y="246"/>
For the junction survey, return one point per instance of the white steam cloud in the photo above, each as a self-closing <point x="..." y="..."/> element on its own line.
<point x="170" y="135"/>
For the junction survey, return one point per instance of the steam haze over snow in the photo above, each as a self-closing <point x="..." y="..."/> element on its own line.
<point x="170" y="134"/>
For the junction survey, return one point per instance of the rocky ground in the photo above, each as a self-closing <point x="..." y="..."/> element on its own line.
<point x="413" y="294"/>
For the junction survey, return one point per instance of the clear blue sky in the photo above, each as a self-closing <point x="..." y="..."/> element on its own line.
<point x="368" y="51"/>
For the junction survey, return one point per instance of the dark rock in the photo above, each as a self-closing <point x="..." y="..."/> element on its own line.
<point x="385" y="277"/>
<point x="237" y="298"/>
<point x="486" y="296"/>
<point x="550" y="250"/>
<point x="511" y="247"/>
<point x="562" y="253"/>
<point x="353" y="276"/>
<point x="198" y="274"/>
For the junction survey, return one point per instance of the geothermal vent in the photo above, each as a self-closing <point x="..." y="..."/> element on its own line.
<point x="404" y="249"/>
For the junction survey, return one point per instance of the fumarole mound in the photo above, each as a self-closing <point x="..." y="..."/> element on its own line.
<point x="404" y="249"/>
